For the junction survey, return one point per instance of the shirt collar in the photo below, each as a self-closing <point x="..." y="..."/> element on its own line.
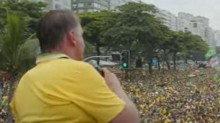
<point x="50" y="56"/>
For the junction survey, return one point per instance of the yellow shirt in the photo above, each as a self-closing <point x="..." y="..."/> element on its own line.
<point x="60" y="90"/>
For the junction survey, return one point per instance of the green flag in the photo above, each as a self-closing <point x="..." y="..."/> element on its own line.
<point x="210" y="53"/>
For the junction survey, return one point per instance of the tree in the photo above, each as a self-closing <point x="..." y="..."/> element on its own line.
<point x="185" y="43"/>
<point x="30" y="12"/>
<point x="194" y="45"/>
<point x="17" y="51"/>
<point x="18" y="45"/>
<point x="33" y="11"/>
<point x="164" y="47"/>
<point x="94" y="25"/>
<point x="137" y="29"/>
<point x="172" y="44"/>
<point x="89" y="50"/>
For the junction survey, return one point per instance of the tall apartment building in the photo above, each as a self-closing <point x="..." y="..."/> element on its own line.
<point x="55" y="4"/>
<point x="169" y="19"/>
<point x="115" y="3"/>
<point x="183" y="21"/>
<point x="36" y="0"/>
<point x="97" y="5"/>
<point x="210" y="37"/>
<point x="32" y="0"/>
<point x="217" y="37"/>
<point x="90" y="5"/>
<point x="58" y="4"/>
<point x="198" y="25"/>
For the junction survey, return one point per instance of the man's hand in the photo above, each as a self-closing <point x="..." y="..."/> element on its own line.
<point x="129" y="113"/>
<point x="111" y="80"/>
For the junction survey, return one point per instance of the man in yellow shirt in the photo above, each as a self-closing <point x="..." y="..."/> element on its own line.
<point x="64" y="89"/>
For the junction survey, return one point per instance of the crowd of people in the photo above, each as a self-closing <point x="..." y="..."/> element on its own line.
<point x="177" y="96"/>
<point x="172" y="96"/>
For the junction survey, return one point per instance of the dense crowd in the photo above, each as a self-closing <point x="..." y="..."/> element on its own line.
<point x="189" y="96"/>
<point x="182" y="96"/>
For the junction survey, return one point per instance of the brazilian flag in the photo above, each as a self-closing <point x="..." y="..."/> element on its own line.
<point x="210" y="53"/>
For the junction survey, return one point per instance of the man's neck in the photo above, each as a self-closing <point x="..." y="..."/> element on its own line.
<point x="69" y="53"/>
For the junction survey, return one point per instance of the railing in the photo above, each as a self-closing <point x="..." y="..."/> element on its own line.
<point x="92" y="57"/>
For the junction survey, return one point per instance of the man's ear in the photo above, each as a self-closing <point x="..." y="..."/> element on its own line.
<point x="71" y="37"/>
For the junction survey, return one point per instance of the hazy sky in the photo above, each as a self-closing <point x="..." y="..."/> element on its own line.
<point x="206" y="8"/>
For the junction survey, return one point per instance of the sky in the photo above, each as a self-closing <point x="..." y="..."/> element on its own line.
<point x="206" y="8"/>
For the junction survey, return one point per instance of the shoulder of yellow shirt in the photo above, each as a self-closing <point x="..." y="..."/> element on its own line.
<point x="77" y="65"/>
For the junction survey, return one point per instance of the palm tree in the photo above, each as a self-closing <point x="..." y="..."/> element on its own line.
<point x="17" y="50"/>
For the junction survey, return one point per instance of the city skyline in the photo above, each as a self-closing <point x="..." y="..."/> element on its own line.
<point x="206" y="8"/>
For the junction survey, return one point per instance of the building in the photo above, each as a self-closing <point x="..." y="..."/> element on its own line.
<point x="32" y="0"/>
<point x="55" y="4"/>
<point x="97" y="5"/>
<point x="197" y="25"/>
<point x="184" y="21"/>
<point x="217" y="37"/>
<point x="58" y="4"/>
<point x="169" y="19"/>
<point x="90" y="5"/>
<point x="210" y="37"/>
<point x="36" y="0"/>
<point x="115" y="3"/>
